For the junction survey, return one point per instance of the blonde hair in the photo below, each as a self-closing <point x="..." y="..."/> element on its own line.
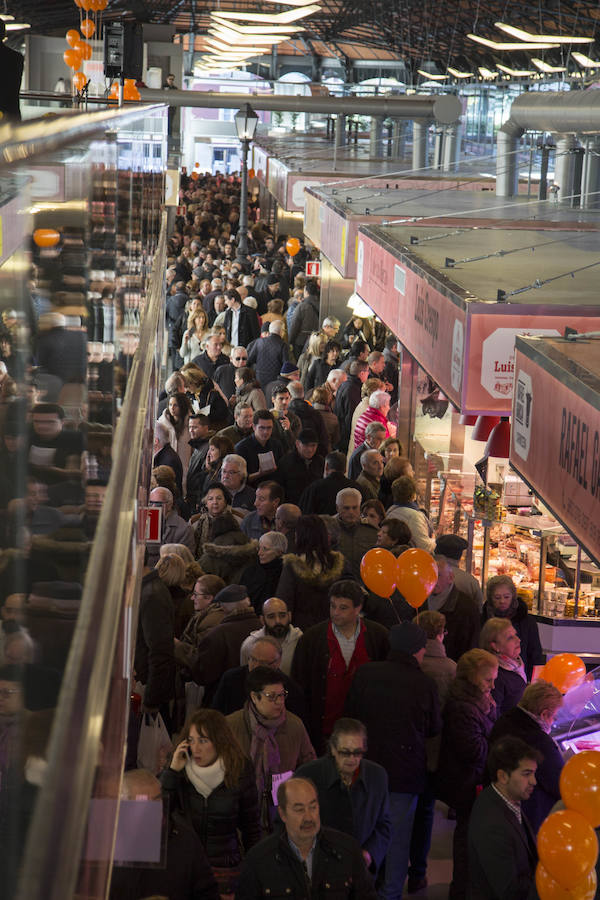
<point x="171" y="569"/>
<point x="179" y="550"/>
<point x="492" y="630"/>
<point x="540" y="696"/>
<point x="472" y="662"/>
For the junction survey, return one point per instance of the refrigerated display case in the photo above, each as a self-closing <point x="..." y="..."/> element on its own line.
<point x="577" y="725"/>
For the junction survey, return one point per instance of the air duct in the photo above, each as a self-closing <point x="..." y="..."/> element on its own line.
<point x="561" y="112"/>
<point x="444" y="108"/>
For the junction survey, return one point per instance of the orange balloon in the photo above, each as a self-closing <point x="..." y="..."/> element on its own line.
<point x="549" y="889"/>
<point x="84" y="49"/>
<point x="378" y="571"/>
<point x="130" y="92"/>
<point x="86" y="4"/>
<point x="72" y="58"/>
<point x="416" y="575"/>
<point x="87" y="28"/>
<point x="102" y="4"/>
<point x="72" y="37"/>
<point x="580" y="785"/>
<point x="79" y="81"/>
<point x="567" y="847"/>
<point x="251" y="173"/>
<point x="564" y="671"/>
<point x="194" y="176"/>
<point x="46" y="237"/>
<point x="196" y="165"/>
<point x="78" y="3"/>
<point x="292" y="245"/>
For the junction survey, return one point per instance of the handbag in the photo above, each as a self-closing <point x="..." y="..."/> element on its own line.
<point x="154" y="744"/>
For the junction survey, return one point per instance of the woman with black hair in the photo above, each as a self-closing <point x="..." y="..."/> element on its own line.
<point x="218" y="448"/>
<point x="175" y="418"/>
<point x="308" y="573"/>
<point x="320" y="368"/>
<point x="356" y="329"/>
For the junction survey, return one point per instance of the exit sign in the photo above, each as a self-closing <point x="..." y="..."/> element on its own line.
<point x="313" y="268"/>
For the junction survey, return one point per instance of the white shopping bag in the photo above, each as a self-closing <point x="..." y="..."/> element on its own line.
<point x="154" y="744"/>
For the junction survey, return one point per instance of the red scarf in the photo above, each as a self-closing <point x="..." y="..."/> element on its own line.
<point x="339" y="678"/>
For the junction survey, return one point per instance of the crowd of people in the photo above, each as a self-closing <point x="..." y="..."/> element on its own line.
<point x="315" y="724"/>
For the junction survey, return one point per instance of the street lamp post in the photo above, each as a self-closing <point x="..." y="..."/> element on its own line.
<point x="246" y="121"/>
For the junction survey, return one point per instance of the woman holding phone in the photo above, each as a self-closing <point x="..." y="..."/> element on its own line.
<point x="212" y="783"/>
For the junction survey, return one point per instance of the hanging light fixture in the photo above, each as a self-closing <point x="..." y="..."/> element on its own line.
<point x="496" y="45"/>
<point x="458" y="74"/>
<point x="522" y="35"/>
<point x="486" y="74"/>
<point x="498" y="443"/>
<point x="282" y="18"/>
<point x="467" y="420"/>
<point x="545" y="68"/>
<point x="516" y="73"/>
<point x="431" y="75"/>
<point x="585" y="61"/>
<point x="483" y="427"/>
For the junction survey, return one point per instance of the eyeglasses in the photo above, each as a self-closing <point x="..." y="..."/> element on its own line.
<point x="200" y="594"/>
<point x="240" y="358"/>
<point x="269" y="663"/>
<point x="6" y="692"/>
<point x="347" y="753"/>
<point x="275" y="698"/>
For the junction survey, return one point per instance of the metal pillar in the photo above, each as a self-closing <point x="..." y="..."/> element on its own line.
<point x="398" y="139"/>
<point x="242" y="236"/>
<point x="564" y="165"/>
<point x="376" y="137"/>
<point x="590" y="177"/>
<point x="419" y="148"/>
<point x="507" y="169"/>
<point x="437" y="148"/>
<point x="451" y="148"/>
<point x="340" y="131"/>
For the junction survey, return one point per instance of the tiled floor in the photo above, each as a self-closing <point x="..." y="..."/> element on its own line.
<point x="439" y="870"/>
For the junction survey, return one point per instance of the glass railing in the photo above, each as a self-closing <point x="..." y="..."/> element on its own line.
<point x="82" y="262"/>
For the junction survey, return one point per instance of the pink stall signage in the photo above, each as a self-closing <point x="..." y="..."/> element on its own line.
<point x="555" y="443"/>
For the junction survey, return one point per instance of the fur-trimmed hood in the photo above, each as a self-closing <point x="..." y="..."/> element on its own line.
<point x="312" y="577"/>
<point x="238" y="553"/>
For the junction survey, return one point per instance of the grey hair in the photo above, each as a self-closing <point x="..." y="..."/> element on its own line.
<point x="161" y="432"/>
<point x="378" y="399"/>
<point x="373" y="427"/>
<point x="267" y="639"/>
<point x="276" y="326"/>
<point x="276" y="540"/>
<point x="296" y="390"/>
<point x="347" y="492"/>
<point x="366" y="455"/>
<point x="238" y="460"/>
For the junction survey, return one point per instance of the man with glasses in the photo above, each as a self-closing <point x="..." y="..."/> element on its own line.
<point x="225" y="375"/>
<point x="231" y="690"/>
<point x="275" y="739"/>
<point x="353" y="791"/>
<point x="233" y="476"/>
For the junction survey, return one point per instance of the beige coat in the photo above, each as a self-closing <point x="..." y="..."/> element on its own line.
<point x="292" y="739"/>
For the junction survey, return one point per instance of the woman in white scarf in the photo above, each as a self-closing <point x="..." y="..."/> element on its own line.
<point x="212" y="783"/>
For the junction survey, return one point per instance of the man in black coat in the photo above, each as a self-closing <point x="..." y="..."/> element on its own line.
<point x="260" y="450"/>
<point x="198" y="427"/>
<point x="11" y="69"/>
<point x="301" y="466"/>
<point x="399" y="705"/>
<point x="212" y="357"/>
<point x="309" y="416"/>
<point x="320" y="666"/>
<point x="304" y="860"/>
<point x="154" y="662"/>
<point x="165" y="455"/>
<point x="175" y="306"/>
<point x="463" y="622"/>
<point x="319" y="497"/>
<point x="306" y="317"/>
<point x="268" y="354"/>
<point x="531" y="721"/>
<point x="348" y="398"/>
<point x="225" y="375"/>
<point x="502" y="851"/>
<point x="241" y="322"/>
<point x="374" y="438"/>
<point x="230" y="694"/>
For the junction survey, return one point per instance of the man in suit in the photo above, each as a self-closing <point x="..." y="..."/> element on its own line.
<point x="11" y="67"/>
<point x="241" y="322"/>
<point x="502" y="851"/>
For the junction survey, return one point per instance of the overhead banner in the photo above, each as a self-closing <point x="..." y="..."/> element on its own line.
<point x="555" y="442"/>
